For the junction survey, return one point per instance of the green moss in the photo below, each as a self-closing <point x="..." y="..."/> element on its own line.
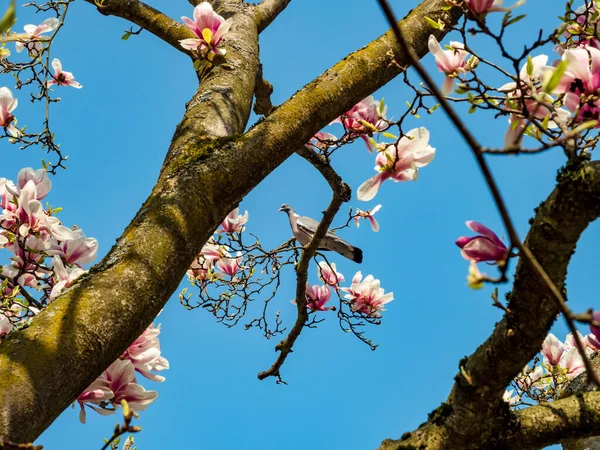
<point x="438" y="416"/>
<point x="196" y="151"/>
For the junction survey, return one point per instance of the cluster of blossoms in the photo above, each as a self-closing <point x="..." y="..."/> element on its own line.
<point x="486" y="246"/>
<point x="398" y="161"/>
<point x="33" y="40"/>
<point x="215" y="260"/>
<point x="209" y="28"/>
<point x="118" y="382"/>
<point x="558" y="364"/>
<point x="48" y="257"/>
<point x="365" y="296"/>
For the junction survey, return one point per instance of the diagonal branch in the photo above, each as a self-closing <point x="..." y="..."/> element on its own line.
<point x="267" y="11"/>
<point x="341" y="193"/>
<point x="148" y="18"/>
<point x="536" y="427"/>
<point x="209" y="168"/>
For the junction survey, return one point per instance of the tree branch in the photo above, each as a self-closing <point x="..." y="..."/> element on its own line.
<point x="267" y="11"/>
<point x="341" y="193"/>
<point x="44" y="367"/>
<point x="147" y="17"/>
<point x="577" y="416"/>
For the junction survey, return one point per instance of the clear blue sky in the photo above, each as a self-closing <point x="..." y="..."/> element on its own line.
<point x="340" y="394"/>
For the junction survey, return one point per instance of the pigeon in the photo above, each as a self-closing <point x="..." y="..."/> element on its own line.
<point x="304" y="228"/>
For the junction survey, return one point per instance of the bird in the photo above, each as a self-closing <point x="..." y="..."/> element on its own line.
<point x="304" y="228"/>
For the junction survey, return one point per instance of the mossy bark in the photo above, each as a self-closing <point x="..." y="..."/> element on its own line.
<point x="208" y="169"/>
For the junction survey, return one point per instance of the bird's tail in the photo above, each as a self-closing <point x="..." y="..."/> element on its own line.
<point x="345" y="249"/>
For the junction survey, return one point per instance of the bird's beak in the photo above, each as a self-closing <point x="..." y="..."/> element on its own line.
<point x="280" y="209"/>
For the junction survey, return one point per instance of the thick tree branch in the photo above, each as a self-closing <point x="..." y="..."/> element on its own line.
<point x="577" y="416"/>
<point x="341" y="193"/>
<point x="267" y="11"/>
<point x="208" y="170"/>
<point x="147" y="17"/>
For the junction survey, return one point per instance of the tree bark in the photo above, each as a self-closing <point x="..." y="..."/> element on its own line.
<point x="209" y="168"/>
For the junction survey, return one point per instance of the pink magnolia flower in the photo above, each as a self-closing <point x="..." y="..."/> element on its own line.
<point x="537" y="108"/>
<point x="229" y="266"/>
<point x="451" y="62"/>
<point x="479" y="7"/>
<point x="328" y="274"/>
<point x="121" y="376"/>
<point x="7" y="105"/>
<point x="365" y="118"/>
<point x="529" y="377"/>
<point x="484" y="247"/>
<point x="366" y="296"/>
<point x="199" y="269"/>
<point x="3" y="239"/>
<point x="209" y="27"/>
<point x="399" y="162"/>
<point x="368" y="214"/>
<point x="572" y="362"/>
<point x="61" y="78"/>
<point x="510" y="397"/>
<point x="76" y="248"/>
<point x="552" y="349"/>
<point x="213" y="251"/>
<point x="34" y="36"/>
<point x="317" y="296"/>
<point x="39" y="178"/>
<point x="144" y="353"/>
<point x="322" y="140"/>
<point x="98" y="392"/>
<point x="580" y="81"/>
<point x="6" y="326"/>
<point x="234" y="222"/>
<point x="63" y="276"/>
<point x="590" y="343"/>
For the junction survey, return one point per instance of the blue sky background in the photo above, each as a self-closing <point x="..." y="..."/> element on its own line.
<point x="340" y="394"/>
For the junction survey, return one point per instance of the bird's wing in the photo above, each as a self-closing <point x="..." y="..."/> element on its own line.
<point x="331" y="241"/>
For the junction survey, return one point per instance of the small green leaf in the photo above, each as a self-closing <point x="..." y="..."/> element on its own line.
<point x="127" y="35"/>
<point x="529" y="65"/>
<point x="558" y="73"/>
<point x="9" y="18"/>
<point x="433" y="23"/>
<point x="515" y="20"/>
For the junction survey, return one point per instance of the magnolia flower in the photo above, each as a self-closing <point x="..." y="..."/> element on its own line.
<point x="589" y="343"/>
<point x="552" y="349"/>
<point x="78" y="250"/>
<point x="580" y="81"/>
<point x="3" y="240"/>
<point x="322" y="140"/>
<point x="121" y="376"/>
<point x="7" y="105"/>
<point x="209" y="27"/>
<point x="229" y="266"/>
<point x="529" y="377"/>
<point x="529" y="75"/>
<point x="96" y="393"/>
<point x="33" y="36"/>
<point x="234" y="223"/>
<point x="399" y="161"/>
<point x="6" y="326"/>
<point x="366" y="296"/>
<point x="364" y="119"/>
<point x="61" y="78"/>
<point x="451" y="62"/>
<point x="199" y="269"/>
<point x="479" y="7"/>
<point x="63" y="276"/>
<point x="328" y="274"/>
<point x="595" y="330"/>
<point x="145" y="356"/>
<point x="510" y="397"/>
<point x="213" y="251"/>
<point x="484" y="247"/>
<point x="368" y="214"/>
<point x="39" y="178"/>
<point x="572" y="362"/>
<point x="317" y="296"/>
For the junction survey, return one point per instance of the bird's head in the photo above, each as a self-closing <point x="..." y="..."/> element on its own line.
<point x="285" y="208"/>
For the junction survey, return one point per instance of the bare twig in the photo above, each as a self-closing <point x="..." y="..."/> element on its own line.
<point x="341" y="194"/>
